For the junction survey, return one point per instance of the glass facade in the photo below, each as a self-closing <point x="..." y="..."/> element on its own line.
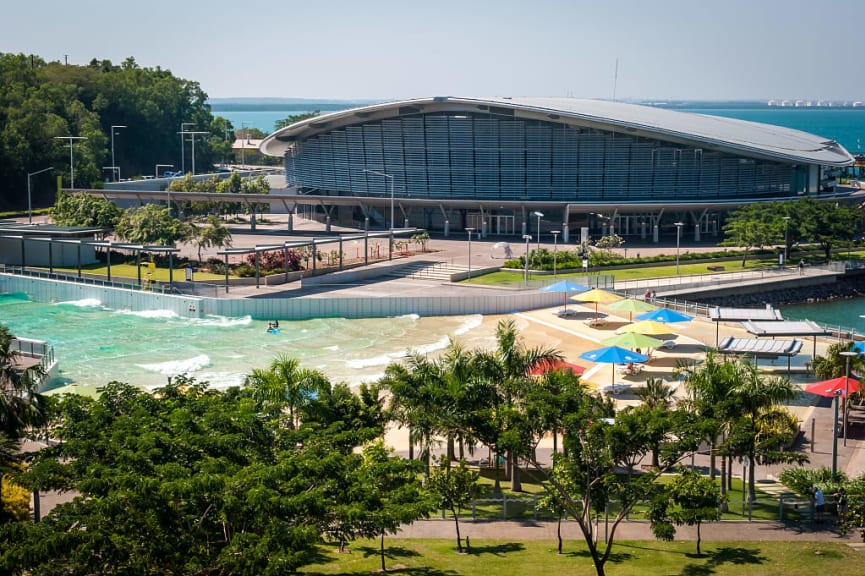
<point x="500" y="157"/>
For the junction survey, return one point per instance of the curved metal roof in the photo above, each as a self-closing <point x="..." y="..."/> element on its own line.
<point x="736" y="136"/>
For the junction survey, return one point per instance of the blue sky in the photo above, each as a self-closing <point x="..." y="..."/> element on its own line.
<point x="385" y="49"/>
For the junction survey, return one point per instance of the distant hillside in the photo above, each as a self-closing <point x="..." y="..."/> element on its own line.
<point x="262" y="104"/>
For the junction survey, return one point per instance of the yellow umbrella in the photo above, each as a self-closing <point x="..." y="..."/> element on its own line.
<point x="597" y="296"/>
<point x="649" y="327"/>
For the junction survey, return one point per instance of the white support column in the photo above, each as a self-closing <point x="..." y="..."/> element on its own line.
<point x="655" y="238"/>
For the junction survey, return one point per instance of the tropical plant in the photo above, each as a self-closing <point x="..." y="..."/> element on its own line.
<point x="689" y="499"/>
<point x="212" y="233"/>
<point x="454" y="487"/>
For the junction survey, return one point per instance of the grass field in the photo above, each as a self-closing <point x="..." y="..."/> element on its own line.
<point x="130" y="272"/>
<point x="539" y="558"/>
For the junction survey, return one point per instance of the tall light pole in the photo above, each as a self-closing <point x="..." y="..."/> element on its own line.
<point x="527" y="238"/>
<point x="786" y="242"/>
<point x="847" y="355"/>
<point x="470" y="230"/>
<point x="29" y="203"/>
<point x="678" y="226"/>
<point x="116" y="167"/>
<point x="377" y="173"/>
<point x="555" y="234"/>
<point x="71" y="159"/>
<point x="244" y="136"/>
<point x="192" y="133"/>
<point x="539" y="215"/>
<point x="183" y="126"/>
<point x="158" y="166"/>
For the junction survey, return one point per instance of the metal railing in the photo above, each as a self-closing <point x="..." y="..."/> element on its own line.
<point x="83" y="279"/>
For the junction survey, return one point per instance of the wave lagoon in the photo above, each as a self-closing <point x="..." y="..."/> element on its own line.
<point x="95" y="345"/>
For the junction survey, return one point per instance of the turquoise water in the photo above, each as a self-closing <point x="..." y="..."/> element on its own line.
<point x="844" y="313"/>
<point x="95" y="345"/>
<point x="844" y="125"/>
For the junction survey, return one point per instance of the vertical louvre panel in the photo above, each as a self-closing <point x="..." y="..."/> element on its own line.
<point x="462" y="162"/>
<point x="328" y="182"/>
<point x="729" y="178"/>
<point x="486" y="157"/>
<point x="512" y="159"/>
<point x="538" y="160"/>
<point x="340" y="160"/>
<point x="710" y="175"/>
<point x="746" y="178"/>
<point x="642" y="170"/>
<point x="618" y="154"/>
<point x="394" y="164"/>
<point x="666" y="160"/>
<point x="590" y="178"/>
<point x="415" y="156"/>
<point x="687" y="183"/>
<point x="354" y="139"/>
<point x="438" y="155"/>
<point x="565" y="162"/>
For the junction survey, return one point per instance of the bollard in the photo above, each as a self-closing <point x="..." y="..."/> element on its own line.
<point x="813" y="423"/>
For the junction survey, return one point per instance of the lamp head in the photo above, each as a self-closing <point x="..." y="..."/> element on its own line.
<point x="538" y="214"/>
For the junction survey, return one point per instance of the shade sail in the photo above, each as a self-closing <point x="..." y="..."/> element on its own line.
<point x="632" y="340"/>
<point x="834" y="387"/>
<point x="566" y="287"/>
<point x="665" y="315"/>
<point x="545" y="366"/>
<point x="647" y="327"/>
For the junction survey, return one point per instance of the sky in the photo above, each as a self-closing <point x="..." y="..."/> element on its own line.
<point x="394" y="49"/>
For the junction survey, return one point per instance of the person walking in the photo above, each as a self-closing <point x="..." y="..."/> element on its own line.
<point x="819" y="504"/>
<point x="841" y="503"/>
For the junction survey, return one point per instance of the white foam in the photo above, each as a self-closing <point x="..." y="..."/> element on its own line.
<point x="85" y="303"/>
<point x="175" y="367"/>
<point x="223" y="321"/>
<point x="414" y="317"/>
<point x="382" y="360"/>
<point x="441" y="344"/>
<point x="470" y="324"/>
<point x="159" y="314"/>
<point x="333" y="348"/>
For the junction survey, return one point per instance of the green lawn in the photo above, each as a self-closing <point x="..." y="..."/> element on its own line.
<point x="130" y="272"/>
<point x="539" y="558"/>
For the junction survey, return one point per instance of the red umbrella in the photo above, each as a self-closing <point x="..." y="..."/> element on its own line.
<point x="830" y="388"/>
<point x="545" y="366"/>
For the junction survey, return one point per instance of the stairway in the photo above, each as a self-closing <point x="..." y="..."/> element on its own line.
<point x="427" y="270"/>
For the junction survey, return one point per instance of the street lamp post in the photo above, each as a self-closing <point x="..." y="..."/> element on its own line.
<point x="786" y="242"/>
<point x="470" y="230"/>
<point x="539" y="215"/>
<point x="678" y="226"/>
<point x="527" y="238"/>
<point x="377" y="173"/>
<point x="158" y="166"/>
<point x="182" y="132"/>
<point x="244" y="135"/>
<point x="847" y="355"/>
<point x="116" y="167"/>
<point x="192" y="133"/>
<point x="555" y="234"/>
<point x="29" y="203"/>
<point x="71" y="159"/>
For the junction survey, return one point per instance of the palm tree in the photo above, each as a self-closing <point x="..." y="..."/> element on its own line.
<point x="657" y="397"/>
<point x="762" y="426"/>
<point x="285" y="385"/>
<point x="507" y="370"/>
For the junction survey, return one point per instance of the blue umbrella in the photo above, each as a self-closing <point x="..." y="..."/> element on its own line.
<point x="613" y="355"/>
<point x="664" y="315"/>
<point x="859" y="347"/>
<point x="566" y="287"/>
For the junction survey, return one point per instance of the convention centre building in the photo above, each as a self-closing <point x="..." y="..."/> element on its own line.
<point x="584" y="168"/>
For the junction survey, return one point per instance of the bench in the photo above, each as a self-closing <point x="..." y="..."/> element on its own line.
<point x="715" y="268"/>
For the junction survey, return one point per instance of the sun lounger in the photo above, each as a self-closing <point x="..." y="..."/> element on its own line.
<point x="617" y="388"/>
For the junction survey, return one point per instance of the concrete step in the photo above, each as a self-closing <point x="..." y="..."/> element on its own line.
<point x="427" y="271"/>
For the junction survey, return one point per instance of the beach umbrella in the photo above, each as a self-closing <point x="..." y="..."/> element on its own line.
<point x="631" y="305"/>
<point x="544" y="366"/>
<point x="566" y="287"/>
<point x="632" y="340"/>
<point x="833" y="387"/>
<point x="649" y="327"/>
<point x="859" y="347"/>
<point x="613" y="355"/>
<point x="665" y="315"/>
<point x="597" y="296"/>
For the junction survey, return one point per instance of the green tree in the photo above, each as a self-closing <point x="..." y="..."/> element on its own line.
<point x="690" y="499"/>
<point x="151" y="224"/>
<point x="279" y="124"/>
<point x="829" y="224"/>
<point x="81" y="209"/>
<point x="396" y="495"/>
<point x="454" y="487"/>
<point x="752" y="226"/>
<point x="212" y="233"/>
<point x="285" y="386"/>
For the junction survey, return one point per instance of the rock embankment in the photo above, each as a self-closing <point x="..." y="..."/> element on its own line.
<point x="850" y="287"/>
